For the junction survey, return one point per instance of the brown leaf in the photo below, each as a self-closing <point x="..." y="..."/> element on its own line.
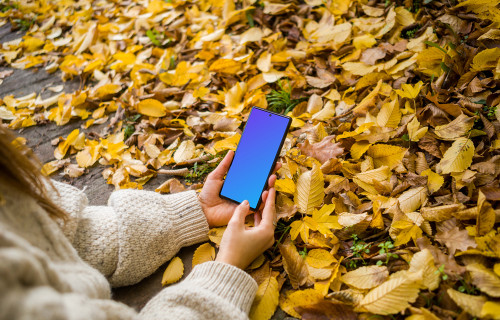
<point x="295" y="266"/>
<point x="370" y="56"/>
<point x="325" y="310"/>
<point x="323" y="150"/>
<point x="456" y="239"/>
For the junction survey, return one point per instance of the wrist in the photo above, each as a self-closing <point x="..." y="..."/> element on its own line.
<point x="205" y="210"/>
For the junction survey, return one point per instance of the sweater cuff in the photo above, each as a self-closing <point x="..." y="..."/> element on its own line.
<point x="190" y="223"/>
<point x="227" y="281"/>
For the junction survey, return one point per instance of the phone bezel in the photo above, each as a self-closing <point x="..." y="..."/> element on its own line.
<point x="274" y="161"/>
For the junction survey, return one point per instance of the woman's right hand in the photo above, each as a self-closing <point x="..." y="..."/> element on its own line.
<point x="241" y="245"/>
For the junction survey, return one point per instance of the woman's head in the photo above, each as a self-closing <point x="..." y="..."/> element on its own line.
<point x="23" y="173"/>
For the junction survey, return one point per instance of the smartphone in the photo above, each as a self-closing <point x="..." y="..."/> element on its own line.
<point x="255" y="157"/>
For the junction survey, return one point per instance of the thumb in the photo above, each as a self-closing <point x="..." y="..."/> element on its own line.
<point x="239" y="214"/>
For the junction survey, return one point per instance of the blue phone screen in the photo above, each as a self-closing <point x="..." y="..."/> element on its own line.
<point x="254" y="157"/>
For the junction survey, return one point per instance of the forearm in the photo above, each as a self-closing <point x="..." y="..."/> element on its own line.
<point x="213" y="290"/>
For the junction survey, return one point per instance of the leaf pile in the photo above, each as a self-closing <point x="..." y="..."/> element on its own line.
<point x="389" y="189"/>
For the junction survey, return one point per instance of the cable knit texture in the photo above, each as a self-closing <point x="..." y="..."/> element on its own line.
<point x="55" y="270"/>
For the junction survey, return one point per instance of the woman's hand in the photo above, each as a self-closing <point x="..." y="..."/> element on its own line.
<point x="241" y="245"/>
<point x="218" y="211"/>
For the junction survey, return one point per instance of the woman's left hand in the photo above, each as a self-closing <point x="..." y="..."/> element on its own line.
<point x="218" y="211"/>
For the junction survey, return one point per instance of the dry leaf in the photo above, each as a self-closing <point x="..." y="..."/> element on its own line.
<point x="203" y="253"/>
<point x="173" y="272"/>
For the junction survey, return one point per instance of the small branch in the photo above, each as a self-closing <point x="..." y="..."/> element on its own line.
<point x="175" y="172"/>
<point x="191" y="161"/>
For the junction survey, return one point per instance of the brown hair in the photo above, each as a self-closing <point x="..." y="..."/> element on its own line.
<point x="24" y="173"/>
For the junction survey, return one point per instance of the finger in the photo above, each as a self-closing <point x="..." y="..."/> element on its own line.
<point x="264" y="198"/>
<point x="241" y="211"/>
<point x="271" y="181"/>
<point x="223" y="167"/>
<point x="277" y="167"/>
<point x="257" y="219"/>
<point x="269" y="210"/>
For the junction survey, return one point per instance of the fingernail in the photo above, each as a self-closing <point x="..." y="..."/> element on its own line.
<point x="245" y="203"/>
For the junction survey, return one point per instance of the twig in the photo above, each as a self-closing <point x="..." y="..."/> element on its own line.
<point x="191" y="161"/>
<point x="175" y="172"/>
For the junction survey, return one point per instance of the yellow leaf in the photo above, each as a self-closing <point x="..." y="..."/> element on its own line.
<point x="259" y="261"/>
<point x="172" y="185"/>
<point x="486" y="216"/>
<point x="215" y="234"/>
<point x="434" y="180"/>
<point x="299" y="298"/>
<point x="185" y="151"/>
<point x="173" y="272"/>
<point x="225" y="66"/>
<point x="152" y="108"/>
<point x="404" y="17"/>
<point x="364" y="41"/>
<point x="366" y="277"/>
<point x="89" y="155"/>
<point x="469" y="303"/>
<point x="359" y="148"/>
<point x="203" y="253"/>
<point x="319" y="258"/>
<point x="389" y="115"/>
<point x="393" y="296"/>
<point x="31" y="43"/>
<point x="251" y="35"/>
<point x="414" y="131"/>
<point x="486" y="59"/>
<point x="107" y="90"/>
<point x="413" y="232"/>
<point x="366" y="179"/>
<point x="264" y="62"/>
<point x="458" y="157"/>
<point x="302" y="227"/>
<point x="412" y="199"/>
<point x="324" y="221"/>
<point x="310" y="190"/>
<point x="440" y="213"/>
<point x="386" y="155"/>
<point x="326" y="113"/>
<point x="200" y="92"/>
<point x="266" y="300"/>
<point x="368" y="101"/>
<point x="234" y="98"/>
<point x="318" y="273"/>
<point x="490" y="310"/>
<point x="285" y="185"/>
<point x="485" y="279"/>
<point x="409" y="91"/>
<point x="227" y="144"/>
<point x="63" y="147"/>
<point x="456" y="128"/>
<point x="423" y="260"/>
<point x="359" y="130"/>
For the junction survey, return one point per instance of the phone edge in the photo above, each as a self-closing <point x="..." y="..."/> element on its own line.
<point x="274" y="161"/>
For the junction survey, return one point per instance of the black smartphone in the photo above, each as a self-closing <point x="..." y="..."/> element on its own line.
<point x="255" y="157"/>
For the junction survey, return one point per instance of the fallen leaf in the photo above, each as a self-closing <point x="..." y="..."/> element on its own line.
<point x="173" y="272"/>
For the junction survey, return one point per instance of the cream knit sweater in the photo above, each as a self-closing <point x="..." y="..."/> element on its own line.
<point x="50" y="270"/>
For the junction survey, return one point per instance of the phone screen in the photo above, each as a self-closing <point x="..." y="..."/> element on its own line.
<point x="255" y="156"/>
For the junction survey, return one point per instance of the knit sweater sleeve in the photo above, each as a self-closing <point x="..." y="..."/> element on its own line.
<point x="213" y="290"/>
<point x="135" y="234"/>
